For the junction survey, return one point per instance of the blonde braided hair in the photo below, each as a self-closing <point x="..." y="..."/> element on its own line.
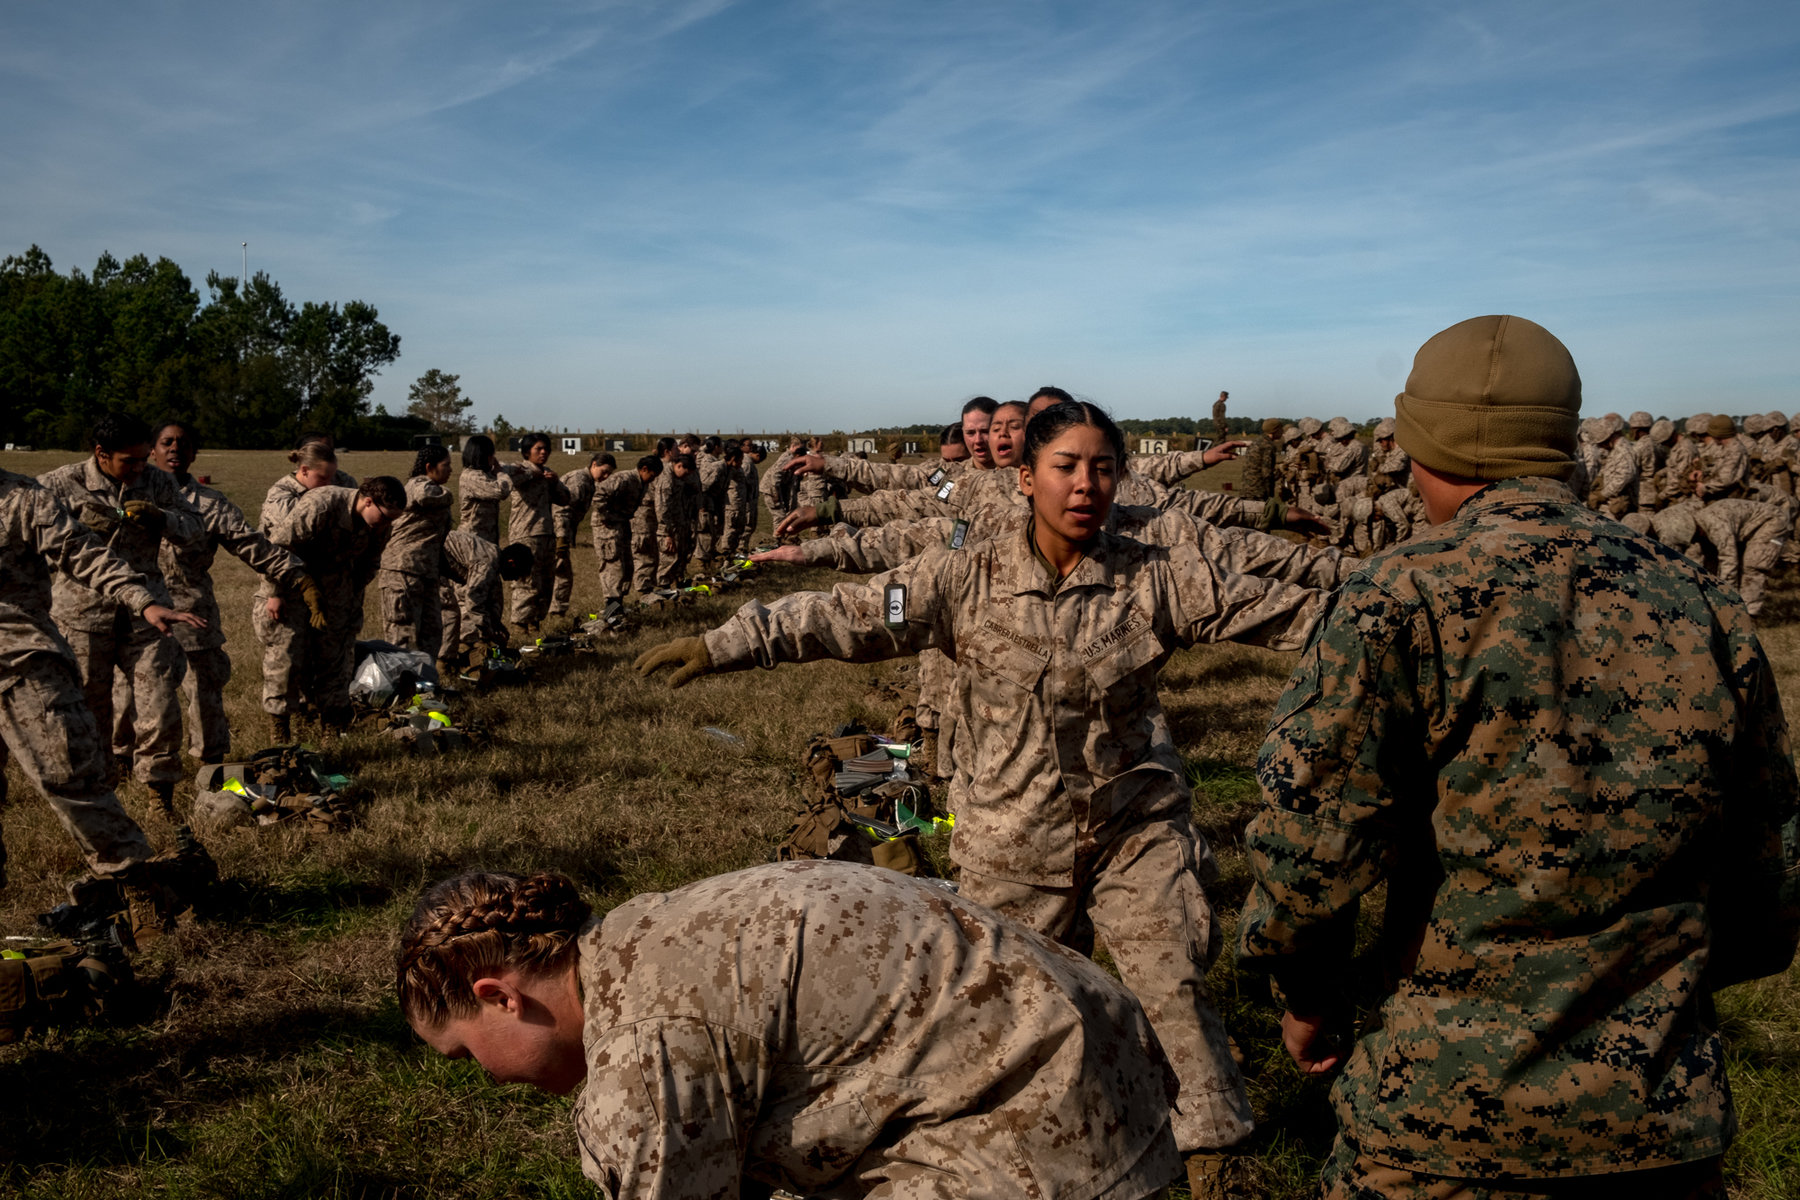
<point x="477" y="925"/>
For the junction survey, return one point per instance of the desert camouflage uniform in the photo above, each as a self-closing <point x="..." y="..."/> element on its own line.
<point x="1258" y="478"/>
<point x="1076" y="799"/>
<point x="865" y="1034"/>
<point x="408" y="583"/>
<point x="1562" y="748"/>
<point x="645" y="550"/>
<point x="342" y="554"/>
<point x="709" y="506"/>
<point x="188" y="570"/>
<point x="740" y="509"/>
<point x="674" y="500"/>
<point x="1614" y="490"/>
<point x="774" y="487"/>
<point x="1649" y="460"/>
<point x="866" y="476"/>
<point x="1168" y="470"/>
<point x="45" y="723"/>
<point x="616" y="502"/>
<point x="478" y="496"/>
<point x="1747" y="535"/>
<point x="534" y="495"/>
<point x="566" y="521"/>
<point x="469" y="590"/>
<point x="1724" y="470"/>
<point x="282" y="639"/>
<point x="106" y="636"/>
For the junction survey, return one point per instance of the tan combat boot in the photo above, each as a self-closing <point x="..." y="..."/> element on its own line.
<point x="281" y="729"/>
<point x="164" y="791"/>
<point x="1219" y="1175"/>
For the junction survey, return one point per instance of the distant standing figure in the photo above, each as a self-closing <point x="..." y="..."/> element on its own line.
<point x="536" y="490"/>
<point x="1219" y="416"/>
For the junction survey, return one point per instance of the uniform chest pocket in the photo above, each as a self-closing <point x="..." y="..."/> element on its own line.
<point x="1132" y="652"/>
<point x="1016" y="664"/>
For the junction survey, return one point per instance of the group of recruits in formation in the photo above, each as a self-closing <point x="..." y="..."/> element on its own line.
<point x="1722" y="495"/>
<point x="1555" y="741"/>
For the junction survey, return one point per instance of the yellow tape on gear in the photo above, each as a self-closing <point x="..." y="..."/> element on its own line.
<point x="233" y="785"/>
<point x="10" y="954"/>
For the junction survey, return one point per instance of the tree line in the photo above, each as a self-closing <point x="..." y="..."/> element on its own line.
<point x="249" y="367"/>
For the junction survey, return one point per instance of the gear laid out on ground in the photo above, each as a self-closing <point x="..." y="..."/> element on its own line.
<point x="50" y="981"/>
<point x="865" y="800"/>
<point x="424" y="724"/>
<point x="280" y="784"/>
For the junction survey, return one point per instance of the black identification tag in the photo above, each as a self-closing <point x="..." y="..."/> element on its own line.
<point x="959" y="533"/>
<point x="937" y="476"/>
<point x="896" y="605"/>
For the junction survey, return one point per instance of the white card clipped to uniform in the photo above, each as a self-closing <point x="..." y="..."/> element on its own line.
<point x="896" y="605"/>
<point x="959" y="533"/>
<point x="948" y="486"/>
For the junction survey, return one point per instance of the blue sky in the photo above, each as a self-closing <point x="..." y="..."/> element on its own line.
<point x="825" y="214"/>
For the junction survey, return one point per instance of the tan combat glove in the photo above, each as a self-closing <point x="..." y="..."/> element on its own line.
<point x="688" y="654"/>
<point x="144" y="513"/>
<point x="309" y="592"/>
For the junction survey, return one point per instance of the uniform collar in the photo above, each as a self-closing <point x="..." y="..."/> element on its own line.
<point x="96" y="480"/>
<point x="1511" y="491"/>
<point x="1025" y="571"/>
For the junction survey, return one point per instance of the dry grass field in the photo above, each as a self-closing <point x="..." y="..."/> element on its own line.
<point x="275" y="1064"/>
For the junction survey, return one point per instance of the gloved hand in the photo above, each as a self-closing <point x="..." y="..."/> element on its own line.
<point x="688" y="655"/>
<point x="309" y="592"/>
<point x="100" y="519"/>
<point x="144" y="513"/>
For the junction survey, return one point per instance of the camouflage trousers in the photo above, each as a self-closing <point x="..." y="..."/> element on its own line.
<point x="410" y="613"/>
<point x="936" y="672"/>
<point x="1747" y="535"/>
<point x="612" y="546"/>
<point x="672" y="568"/>
<point x="707" y="528"/>
<point x="645" y="549"/>
<point x="562" y="573"/>
<point x="468" y="615"/>
<point x="46" y="726"/>
<point x="1140" y="889"/>
<point x="156" y="666"/>
<point x="303" y="665"/>
<point x="531" y="595"/>
<point x="203" y="690"/>
<point x="1351" y="1175"/>
<point x="740" y="529"/>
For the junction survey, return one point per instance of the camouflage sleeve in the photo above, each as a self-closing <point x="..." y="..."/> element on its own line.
<point x="1250" y="552"/>
<point x="854" y="622"/>
<point x="182" y="523"/>
<point x="1619" y="474"/>
<point x="1755" y="899"/>
<point x="1326" y="833"/>
<point x="565" y="519"/>
<point x="882" y="548"/>
<point x="878" y="508"/>
<point x="1168" y="469"/>
<point x="1206" y="603"/>
<point x="668" y="1109"/>
<point x="875" y="476"/>
<point x="70" y="550"/>
<point x="479" y="485"/>
<point x="226" y="523"/>
<point x="1215" y="508"/>
<point x="559" y="493"/>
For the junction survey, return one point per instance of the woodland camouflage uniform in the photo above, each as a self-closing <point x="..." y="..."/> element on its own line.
<point x="1076" y="800"/>
<point x="1562" y="749"/>
<point x="409" y="567"/>
<point x="1643" y="754"/>
<point x="1257" y="480"/>
<point x="864" y="1034"/>
<point x="45" y="722"/>
<point x="105" y="635"/>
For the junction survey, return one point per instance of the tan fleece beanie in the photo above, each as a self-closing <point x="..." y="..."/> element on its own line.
<point x="1491" y="398"/>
